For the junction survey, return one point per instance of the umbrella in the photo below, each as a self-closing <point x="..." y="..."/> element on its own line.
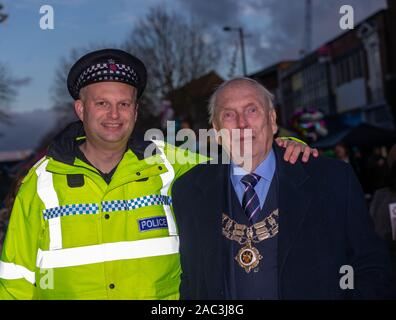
<point x="364" y="135"/>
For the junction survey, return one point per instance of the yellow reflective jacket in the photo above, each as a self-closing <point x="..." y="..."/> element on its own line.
<point x="73" y="236"/>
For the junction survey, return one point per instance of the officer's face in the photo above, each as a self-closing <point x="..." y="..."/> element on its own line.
<point x="108" y="111"/>
<point x="241" y="105"/>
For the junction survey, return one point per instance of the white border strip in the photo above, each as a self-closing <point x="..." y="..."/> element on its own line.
<point x="167" y="179"/>
<point x="47" y="194"/>
<point x="107" y="252"/>
<point x="12" y="271"/>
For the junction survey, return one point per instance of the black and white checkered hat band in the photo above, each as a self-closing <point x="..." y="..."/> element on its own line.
<point x="104" y="72"/>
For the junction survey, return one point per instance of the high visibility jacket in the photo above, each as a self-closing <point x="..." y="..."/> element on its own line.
<point x="73" y="236"/>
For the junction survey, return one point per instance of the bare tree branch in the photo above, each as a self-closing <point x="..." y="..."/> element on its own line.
<point x="62" y="101"/>
<point x="7" y="87"/>
<point x="3" y="16"/>
<point x="173" y="49"/>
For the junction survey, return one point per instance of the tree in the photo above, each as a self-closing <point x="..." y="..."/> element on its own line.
<point x="7" y="91"/>
<point x="6" y="88"/>
<point x="63" y="103"/>
<point x="174" y="50"/>
<point x="3" y="16"/>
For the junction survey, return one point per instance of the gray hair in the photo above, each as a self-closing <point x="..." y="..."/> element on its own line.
<point x="266" y="95"/>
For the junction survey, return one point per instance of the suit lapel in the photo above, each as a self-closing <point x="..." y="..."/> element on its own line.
<point x="294" y="201"/>
<point x="212" y="183"/>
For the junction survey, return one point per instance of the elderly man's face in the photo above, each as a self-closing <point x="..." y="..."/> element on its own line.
<point x="241" y="105"/>
<point x="108" y="111"/>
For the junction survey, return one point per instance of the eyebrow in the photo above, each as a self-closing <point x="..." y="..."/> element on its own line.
<point x="227" y="109"/>
<point x="220" y="108"/>
<point x="104" y="98"/>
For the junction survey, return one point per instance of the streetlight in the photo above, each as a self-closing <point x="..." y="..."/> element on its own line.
<point x="241" y="39"/>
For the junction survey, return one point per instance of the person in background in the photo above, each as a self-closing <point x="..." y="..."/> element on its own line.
<point x="383" y="209"/>
<point x="341" y="152"/>
<point x="376" y="170"/>
<point x="5" y="210"/>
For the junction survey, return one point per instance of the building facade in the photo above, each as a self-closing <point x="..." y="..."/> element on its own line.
<point x="351" y="77"/>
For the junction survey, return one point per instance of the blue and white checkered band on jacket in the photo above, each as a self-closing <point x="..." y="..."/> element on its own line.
<point x="107" y="71"/>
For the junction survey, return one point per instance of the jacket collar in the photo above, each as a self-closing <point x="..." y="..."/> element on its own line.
<point x="295" y="174"/>
<point x="212" y="188"/>
<point x="294" y="200"/>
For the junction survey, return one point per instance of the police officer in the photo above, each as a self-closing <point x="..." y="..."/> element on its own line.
<point x="93" y="219"/>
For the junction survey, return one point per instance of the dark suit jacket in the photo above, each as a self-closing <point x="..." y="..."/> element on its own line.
<point x="323" y="225"/>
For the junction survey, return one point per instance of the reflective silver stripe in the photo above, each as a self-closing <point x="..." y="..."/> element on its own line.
<point x="167" y="178"/>
<point x="70" y="210"/>
<point x="107" y="252"/>
<point x="12" y="271"/>
<point x="47" y="194"/>
<point x="132" y="204"/>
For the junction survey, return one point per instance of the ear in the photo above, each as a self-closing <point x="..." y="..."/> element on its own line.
<point x="273" y="124"/>
<point x="79" y="109"/>
<point x="216" y="128"/>
<point x="136" y="111"/>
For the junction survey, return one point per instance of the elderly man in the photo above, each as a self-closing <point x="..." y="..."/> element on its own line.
<point x="260" y="228"/>
<point x="93" y="219"/>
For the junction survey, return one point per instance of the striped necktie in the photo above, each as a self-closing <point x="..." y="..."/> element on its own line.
<point x="250" y="200"/>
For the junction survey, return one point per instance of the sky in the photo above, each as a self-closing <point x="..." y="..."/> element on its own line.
<point x="274" y="30"/>
<point x="26" y="129"/>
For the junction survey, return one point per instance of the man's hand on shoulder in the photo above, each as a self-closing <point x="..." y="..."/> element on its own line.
<point x="294" y="148"/>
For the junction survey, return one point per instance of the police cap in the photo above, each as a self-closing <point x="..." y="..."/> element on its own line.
<point x="107" y="65"/>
